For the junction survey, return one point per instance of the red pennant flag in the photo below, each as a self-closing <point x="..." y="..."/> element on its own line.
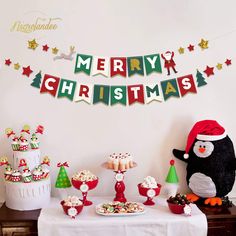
<point x="135" y="93"/>
<point x="118" y="66"/>
<point x="186" y="85"/>
<point x="50" y="84"/>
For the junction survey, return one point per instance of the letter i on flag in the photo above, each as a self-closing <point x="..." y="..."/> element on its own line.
<point x="67" y="89"/>
<point x="101" y="93"/>
<point x="50" y="85"/>
<point x="118" y="95"/>
<point x="186" y="85"/>
<point x="153" y="93"/>
<point x="83" y="63"/>
<point x="84" y="93"/>
<point x="135" y="93"/>
<point x="169" y="88"/>
<point x="100" y="66"/>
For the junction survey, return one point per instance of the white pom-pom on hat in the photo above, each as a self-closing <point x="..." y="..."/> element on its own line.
<point x="186" y="155"/>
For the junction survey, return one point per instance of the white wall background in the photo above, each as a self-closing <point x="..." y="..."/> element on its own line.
<point x="85" y="134"/>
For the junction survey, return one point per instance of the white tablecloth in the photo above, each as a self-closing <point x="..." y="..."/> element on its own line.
<point x="157" y="220"/>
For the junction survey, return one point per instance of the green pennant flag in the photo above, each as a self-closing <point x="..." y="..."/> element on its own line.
<point x="152" y="63"/>
<point x="67" y="89"/>
<point x="118" y="95"/>
<point x="135" y="65"/>
<point x="169" y="88"/>
<point x="101" y="93"/>
<point x="83" y="63"/>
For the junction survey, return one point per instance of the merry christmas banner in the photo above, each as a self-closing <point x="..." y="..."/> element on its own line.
<point x="160" y="91"/>
<point x="115" y="94"/>
<point x="121" y="66"/>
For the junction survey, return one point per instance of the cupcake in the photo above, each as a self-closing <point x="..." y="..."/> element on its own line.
<point x="34" y="143"/>
<point x="15" y="176"/>
<point x="37" y="173"/>
<point x="23" y="144"/>
<point x="26" y="175"/>
<point x="45" y="172"/>
<point x="8" y="172"/>
<point x="15" y="144"/>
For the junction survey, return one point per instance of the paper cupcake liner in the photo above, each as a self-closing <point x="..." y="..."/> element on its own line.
<point x="15" y="147"/>
<point x="34" y="145"/>
<point x="23" y="148"/>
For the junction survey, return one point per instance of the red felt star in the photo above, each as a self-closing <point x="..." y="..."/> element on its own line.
<point x="27" y="71"/>
<point x="191" y="47"/>
<point x="209" y="71"/>
<point x="45" y="47"/>
<point x="8" y="62"/>
<point x="228" y="62"/>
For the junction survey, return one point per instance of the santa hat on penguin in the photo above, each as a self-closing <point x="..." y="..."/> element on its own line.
<point x="205" y="130"/>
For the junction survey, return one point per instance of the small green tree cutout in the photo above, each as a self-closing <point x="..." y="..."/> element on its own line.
<point x="201" y="81"/>
<point x="172" y="176"/>
<point x="37" y="80"/>
<point x="63" y="180"/>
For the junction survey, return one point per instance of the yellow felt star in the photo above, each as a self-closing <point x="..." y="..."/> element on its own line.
<point x="203" y="44"/>
<point x="16" y="66"/>
<point x="181" y="50"/>
<point x="55" y="50"/>
<point x="32" y="44"/>
<point x="219" y="66"/>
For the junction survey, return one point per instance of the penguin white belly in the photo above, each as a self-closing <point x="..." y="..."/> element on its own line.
<point x="202" y="185"/>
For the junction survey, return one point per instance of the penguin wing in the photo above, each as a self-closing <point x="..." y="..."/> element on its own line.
<point x="179" y="154"/>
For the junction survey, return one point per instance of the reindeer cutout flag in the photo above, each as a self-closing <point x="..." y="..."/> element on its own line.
<point x="66" y="56"/>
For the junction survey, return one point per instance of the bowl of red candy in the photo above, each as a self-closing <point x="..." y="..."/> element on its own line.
<point x="179" y="204"/>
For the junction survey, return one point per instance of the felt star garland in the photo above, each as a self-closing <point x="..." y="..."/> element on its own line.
<point x="203" y="44"/>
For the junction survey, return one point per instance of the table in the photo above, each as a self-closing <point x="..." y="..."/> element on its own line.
<point x="157" y="220"/>
<point x="221" y="222"/>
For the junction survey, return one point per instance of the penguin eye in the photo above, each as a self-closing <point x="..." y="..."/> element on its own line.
<point x="204" y="146"/>
<point x="200" y="146"/>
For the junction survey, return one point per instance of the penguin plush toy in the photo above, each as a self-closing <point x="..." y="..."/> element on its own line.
<point x="211" y="162"/>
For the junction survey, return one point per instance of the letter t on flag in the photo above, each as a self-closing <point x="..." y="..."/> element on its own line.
<point x="50" y="85"/>
<point x="135" y="93"/>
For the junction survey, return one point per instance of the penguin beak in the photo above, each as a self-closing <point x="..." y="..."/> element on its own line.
<point x="201" y="149"/>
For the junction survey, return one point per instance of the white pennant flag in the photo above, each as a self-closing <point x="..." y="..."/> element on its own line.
<point x="153" y="92"/>
<point x="84" y="92"/>
<point x="100" y="66"/>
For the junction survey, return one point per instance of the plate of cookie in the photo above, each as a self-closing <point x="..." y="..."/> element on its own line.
<point x="120" y="209"/>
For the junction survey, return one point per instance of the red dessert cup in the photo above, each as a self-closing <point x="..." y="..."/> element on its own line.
<point x="74" y="210"/>
<point x="176" y="208"/>
<point x="150" y="193"/>
<point x="84" y="187"/>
